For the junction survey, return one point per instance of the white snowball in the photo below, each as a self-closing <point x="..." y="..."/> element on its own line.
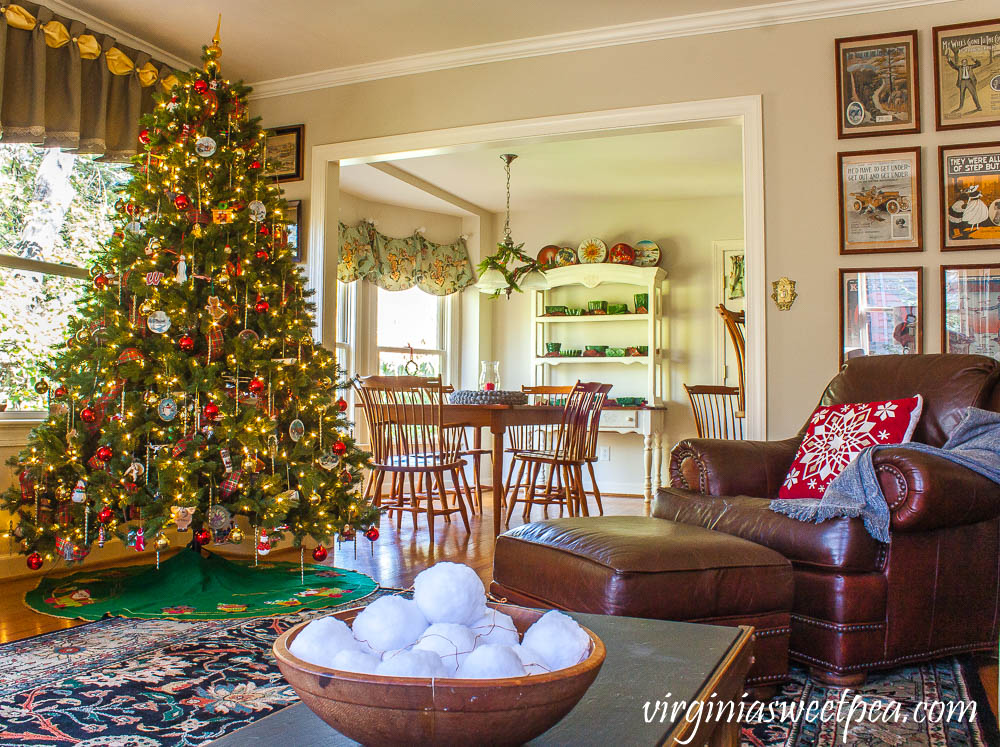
<point x="389" y="622"/>
<point x="451" y="642"/>
<point x="533" y="663"/>
<point x="558" y="639"/>
<point x="355" y="660"/>
<point x="495" y="627"/>
<point x="321" y="640"/>
<point x="491" y="662"/>
<point x="450" y="593"/>
<point x="413" y="664"/>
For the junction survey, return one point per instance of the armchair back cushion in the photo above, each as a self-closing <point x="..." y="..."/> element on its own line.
<point x="948" y="384"/>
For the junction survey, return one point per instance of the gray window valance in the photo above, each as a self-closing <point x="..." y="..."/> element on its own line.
<point x="63" y="86"/>
<point x="399" y="264"/>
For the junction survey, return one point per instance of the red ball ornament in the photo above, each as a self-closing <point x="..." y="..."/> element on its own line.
<point x="372" y="533"/>
<point x="339" y="448"/>
<point x="255" y="164"/>
<point x="60" y="391"/>
<point x="186" y="343"/>
<point x="261" y="306"/>
<point x="342" y="404"/>
<point x="87" y="415"/>
<point x="101" y="281"/>
<point x="210" y="411"/>
<point x="105" y="515"/>
<point x="319" y="554"/>
<point x="104" y="453"/>
<point x="200" y="86"/>
<point x="181" y="202"/>
<point x="256" y="385"/>
<point x="144" y="137"/>
<point x="203" y="537"/>
<point x="34" y="561"/>
<point x="261" y="254"/>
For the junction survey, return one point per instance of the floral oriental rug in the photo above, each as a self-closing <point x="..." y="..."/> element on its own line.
<point x="191" y="586"/>
<point x="124" y="682"/>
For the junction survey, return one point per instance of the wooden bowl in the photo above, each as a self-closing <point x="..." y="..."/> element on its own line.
<point x="382" y="710"/>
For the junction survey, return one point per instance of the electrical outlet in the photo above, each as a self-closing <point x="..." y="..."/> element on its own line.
<point x="604" y="453"/>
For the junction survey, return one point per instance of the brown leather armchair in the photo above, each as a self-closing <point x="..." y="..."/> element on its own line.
<point x="932" y="590"/>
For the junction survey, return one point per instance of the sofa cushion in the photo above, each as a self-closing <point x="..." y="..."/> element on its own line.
<point x="948" y="383"/>
<point x="836" y="543"/>
<point x="642" y="567"/>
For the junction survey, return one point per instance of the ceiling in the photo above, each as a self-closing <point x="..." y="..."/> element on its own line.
<point x="664" y="165"/>
<point x="263" y="40"/>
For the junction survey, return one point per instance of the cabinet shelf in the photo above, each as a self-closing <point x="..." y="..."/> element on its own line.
<point x="625" y="359"/>
<point x="594" y="318"/>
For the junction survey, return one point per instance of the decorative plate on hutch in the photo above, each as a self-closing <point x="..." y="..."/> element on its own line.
<point x="565" y="257"/>
<point x="592" y="251"/>
<point x="547" y="255"/>
<point x="622" y="254"/>
<point x="647" y="253"/>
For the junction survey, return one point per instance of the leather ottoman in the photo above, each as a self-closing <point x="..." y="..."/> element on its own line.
<point x="646" y="567"/>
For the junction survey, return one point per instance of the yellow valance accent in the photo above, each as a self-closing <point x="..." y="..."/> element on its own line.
<point x="169" y="82"/>
<point x="18" y="17"/>
<point x="57" y="35"/>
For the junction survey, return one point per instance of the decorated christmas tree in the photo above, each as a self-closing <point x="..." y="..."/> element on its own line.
<point x="189" y="390"/>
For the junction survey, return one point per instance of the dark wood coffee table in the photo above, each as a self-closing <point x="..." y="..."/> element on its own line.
<point x="647" y="661"/>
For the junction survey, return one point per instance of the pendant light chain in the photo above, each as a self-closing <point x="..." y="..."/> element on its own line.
<point x="507" y="157"/>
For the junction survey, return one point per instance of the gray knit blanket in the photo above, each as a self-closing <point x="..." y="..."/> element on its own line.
<point x="974" y="444"/>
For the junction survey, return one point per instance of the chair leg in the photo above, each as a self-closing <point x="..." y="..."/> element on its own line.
<point x="511" y="498"/>
<point x="568" y="494"/>
<point x="597" y="491"/>
<point x="461" y="500"/>
<point x="506" y="484"/>
<point x="378" y="487"/>
<point x="577" y="473"/>
<point x="416" y="486"/>
<point x="465" y="482"/>
<point x="532" y="486"/>
<point x="430" y="508"/>
<point x="477" y="476"/>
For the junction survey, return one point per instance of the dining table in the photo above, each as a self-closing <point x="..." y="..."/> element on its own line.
<point x="497" y="418"/>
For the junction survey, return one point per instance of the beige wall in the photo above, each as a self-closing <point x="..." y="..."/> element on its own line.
<point x="791" y="66"/>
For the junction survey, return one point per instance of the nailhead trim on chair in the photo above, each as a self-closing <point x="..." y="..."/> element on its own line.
<point x="898" y="659"/>
<point x="681" y="455"/>
<point x="765" y="632"/>
<point x="839" y="627"/>
<point x="901" y="483"/>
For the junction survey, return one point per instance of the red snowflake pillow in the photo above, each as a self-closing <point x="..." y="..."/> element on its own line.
<point x="838" y="433"/>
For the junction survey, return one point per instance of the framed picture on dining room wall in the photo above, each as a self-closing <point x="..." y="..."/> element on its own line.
<point x="967" y="75"/>
<point x="970" y="196"/>
<point x="877" y="85"/>
<point x="881" y="311"/>
<point x="879" y="203"/>
<point x="283" y="154"/>
<point x="970" y="309"/>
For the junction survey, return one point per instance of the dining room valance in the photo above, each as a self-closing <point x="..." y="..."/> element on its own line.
<point x="400" y="263"/>
<point x="64" y="86"/>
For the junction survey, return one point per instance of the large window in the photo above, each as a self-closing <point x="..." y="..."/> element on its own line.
<point x="56" y="211"/>
<point x="410" y="323"/>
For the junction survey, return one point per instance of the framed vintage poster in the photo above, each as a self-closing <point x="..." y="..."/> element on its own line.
<point x="970" y="303"/>
<point x="284" y="152"/>
<point x="294" y="229"/>
<point x="967" y="75"/>
<point x="970" y="196"/>
<point x="880" y="201"/>
<point x="881" y="311"/>
<point x="877" y="86"/>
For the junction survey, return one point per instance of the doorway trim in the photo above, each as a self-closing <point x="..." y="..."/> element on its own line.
<point x="326" y="160"/>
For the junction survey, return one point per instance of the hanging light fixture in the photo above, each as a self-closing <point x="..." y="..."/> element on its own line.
<point x="496" y="275"/>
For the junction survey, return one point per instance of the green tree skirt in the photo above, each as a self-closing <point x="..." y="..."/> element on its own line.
<point x="190" y="586"/>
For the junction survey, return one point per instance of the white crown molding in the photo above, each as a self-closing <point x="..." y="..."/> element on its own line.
<point x="712" y="22"/>
<point x="96" y="24"/>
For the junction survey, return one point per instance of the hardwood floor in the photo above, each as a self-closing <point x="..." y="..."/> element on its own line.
<point x="394" y="560"/>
